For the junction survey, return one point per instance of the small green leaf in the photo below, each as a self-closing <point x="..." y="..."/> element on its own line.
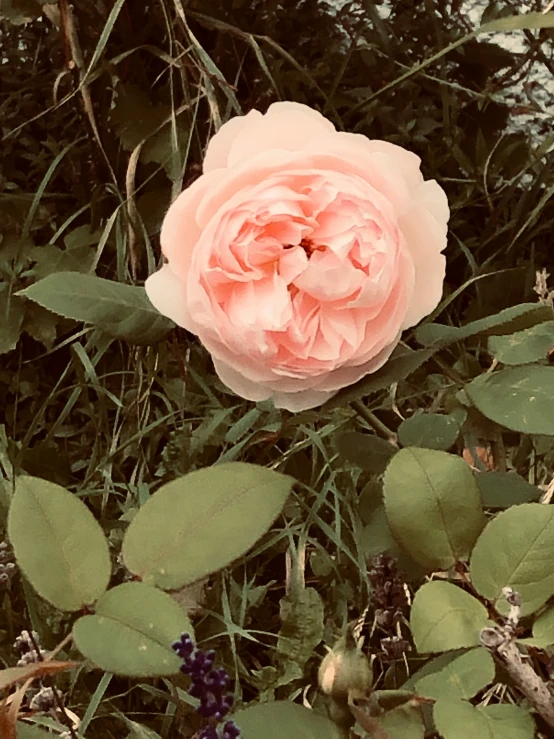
<point x="516" y="318"/>
<point x="58" y="544"/>
<point x="302" y="620"/>
<point x="520" y="398"/>
<point x="28" y="731"/>
<point x="520" y="22"/>
<point x="543" y="629"/>
<point x="366" y="451"/>
<point x="456" y="719"/>
<point x="132" y="630"/>
<point x="40" y="324"/>
<point x="120" y="310"/>
<point x="464" y="677"/>
<point x="283" y="720"/>
<point x="203" y="521"/>
<point x="445" y="617"/>
<point x="404" y="722"/>
<point x="12" y="311"/>
<point x="431" y="491"/>
<point x="516" y="549"/>
<point x="505" y="489"/>
<point x="523" y="347"/>
<point x="429" y="430"/>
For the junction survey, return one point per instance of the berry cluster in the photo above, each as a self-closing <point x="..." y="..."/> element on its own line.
<point x="7" y="566"/>
<point x="26" y="646"/>
<point x="209" y="685"/>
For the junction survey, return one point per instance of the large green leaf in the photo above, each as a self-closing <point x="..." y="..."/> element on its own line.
<point x="516" y="549"/>
<point x="201" y="522"/>
<point x="445" y="617"/>
<point x="523" y="347"/>
<point x="457" y="719"/>
<point x="120" y="310"/>
<point x="58" y="544"/>
<point x="520" y="398"/>
<point x="132" y="630"/>
<point x="463" y="677"/>
<point x="516" y="318"/>
<point x="429" y="430"/>
<point x="284" y="720"/>
<point x="430" y="491"/>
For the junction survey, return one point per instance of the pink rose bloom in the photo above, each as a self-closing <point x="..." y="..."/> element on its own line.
<point x="301" y="254"/>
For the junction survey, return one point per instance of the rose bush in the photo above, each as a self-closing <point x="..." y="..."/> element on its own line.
<point x="301" y="254"/>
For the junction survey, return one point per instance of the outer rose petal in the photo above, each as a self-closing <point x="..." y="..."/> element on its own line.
<point x="217" y="153"/>
<point x="299" y="401"/>
<point x="180" y="229"/>
<point x="166" y="292"/>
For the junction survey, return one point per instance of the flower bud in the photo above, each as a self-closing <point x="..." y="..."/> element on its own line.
<point x="345" y="669"/>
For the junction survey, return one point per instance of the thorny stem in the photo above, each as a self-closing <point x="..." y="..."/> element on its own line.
<point x="381" y="429"/>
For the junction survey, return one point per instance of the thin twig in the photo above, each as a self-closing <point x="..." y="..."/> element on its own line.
<point x="500" y="641"/>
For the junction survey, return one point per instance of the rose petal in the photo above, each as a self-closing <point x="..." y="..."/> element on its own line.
<point x="217" y="152"/>
<point x="166" y="292"/>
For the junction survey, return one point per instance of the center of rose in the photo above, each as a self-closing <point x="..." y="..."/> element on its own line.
<point x="307" y="245"/>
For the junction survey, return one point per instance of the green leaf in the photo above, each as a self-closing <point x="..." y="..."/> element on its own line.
<point x="366" y="451"/>
<point x="464" y="677"/>
<point x="505" y="489"/>
<point x="543" y="630"/>
<point x="520" y="398"/>
<point x="456" y="719"/>
<point x="523" y="347"/>
<point x="40" y="324"/>
<point x="516" y="549"/>
<point x="523" y="22"/>
<point x="58" y="544"/>
<point x="28" y="731"/>
<point x="404" y="722"/>
<point x="203" y="521"/>
<point x="19" y="12"/>
<point x="120" y="310"/>
<point x="132" y="630"/>
<point x="12" y="311"/>
<point x="507" y="721"/>
<point x="445" y="617"/>
<point x="429" y="430"/>
<point x="283" y="720"/>
<point x="516" y="318"/>
<point x="302" y="618"/>
<point x="431" y="667"/>
<point x="136" y="119"/>
<point x="427" y="490"/>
